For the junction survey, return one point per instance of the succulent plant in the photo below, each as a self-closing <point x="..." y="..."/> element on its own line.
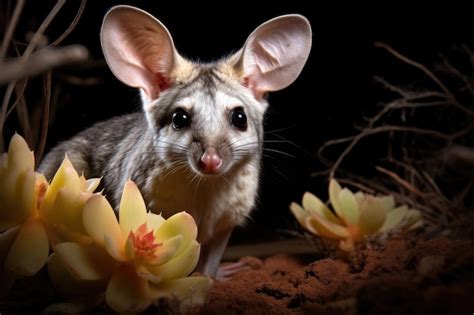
<point x="139" y="257"/>
<point x="356" y="215"/>
<point x="34" y="212"/>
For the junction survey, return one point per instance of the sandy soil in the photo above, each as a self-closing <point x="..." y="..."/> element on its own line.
<point x="402" y="277"/>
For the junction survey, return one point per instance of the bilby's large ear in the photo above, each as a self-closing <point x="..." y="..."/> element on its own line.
<point x="275" y="53"/>
<point x="138" y="49"/>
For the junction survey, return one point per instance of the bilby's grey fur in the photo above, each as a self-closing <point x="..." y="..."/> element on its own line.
<point x="164" y="162"/>
<point x="127" y="147"/>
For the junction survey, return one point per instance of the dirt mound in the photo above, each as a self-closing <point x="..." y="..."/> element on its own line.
<point x="402" y="277"/>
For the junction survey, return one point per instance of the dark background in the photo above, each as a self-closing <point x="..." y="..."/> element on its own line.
<point x="335" y="88"/>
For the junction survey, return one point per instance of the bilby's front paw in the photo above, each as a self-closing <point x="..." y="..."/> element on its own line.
<point x="227" y="270"/>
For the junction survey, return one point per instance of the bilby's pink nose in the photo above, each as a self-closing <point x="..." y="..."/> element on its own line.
<point x="210" y="161"/>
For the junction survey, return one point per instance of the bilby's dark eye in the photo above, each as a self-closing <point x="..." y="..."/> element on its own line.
<point x="180" y="119"/>
<point x="238" y="119"/>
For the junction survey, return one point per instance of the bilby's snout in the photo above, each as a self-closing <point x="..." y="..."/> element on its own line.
<point x="210" y="158"/>
<point x="211" y="161"/>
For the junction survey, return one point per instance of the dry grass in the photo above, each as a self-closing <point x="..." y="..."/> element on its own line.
<point x="429" y="166"/>
<point x="37" y="59"/>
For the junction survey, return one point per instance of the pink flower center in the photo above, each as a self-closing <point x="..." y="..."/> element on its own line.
<point x="144" y="242"/>
<point x="40" y="192"/>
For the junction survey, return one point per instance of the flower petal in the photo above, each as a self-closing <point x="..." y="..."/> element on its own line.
<point x="334" y="191"/>
<point x="7" y="223"/>
<point x="388" y="202"/>
<point x="66" y="176"/>
<point x="326" y="228"/>
<point x="393" y="218"/>
<point x="189" y="291"/>
<point x="10" y="188"/>
<point x="313" y="204"/>
<point x="348" y="208"/>
<point x="85" y="262"/>
<point x="181" y="223"/>
<point x="92" y="184"/>
<point x="127" y="292"/>
<point x="7" y="279"/>
<point x="13" y="188"/>
<point x="60" y="233"/>
<point x="299" y="213"/>
<point x="115" y="248"/>
<point x="372" y="215"/>
<point x="28" y="197"/>
<point x="132" y="212"/>
<point x="41" y="186"/>
<point x="67" y="285"/>
<point x="360" y="197"/>
<point x="413" y="220"/>
<point x="143" y="272"/>
<point x="30" y="250"/>
<point x="167" y="250"/>
<point x="180" y="266"/>
<point x="20" y="158"/>
<point x="100" y="222"/>
<point x="129" y="249"/>
<point x="67" y="210"/>
<point x="6" y="240"/>
<point x="153" y="221"/>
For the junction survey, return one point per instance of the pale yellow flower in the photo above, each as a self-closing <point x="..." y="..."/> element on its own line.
<point x="355" y="216"/>
<point x="62" y="203"/>
<point x="31" y="210"/>
<point x="24" y="242"/>
<point x="144" y="256"/>
<point x="17" y="184"/>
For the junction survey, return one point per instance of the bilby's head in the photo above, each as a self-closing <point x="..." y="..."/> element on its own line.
<point x="204" y="117"/>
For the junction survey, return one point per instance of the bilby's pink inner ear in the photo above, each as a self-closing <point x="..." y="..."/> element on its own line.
<point x="138" y="49"/>
<point x="275" y="53"/>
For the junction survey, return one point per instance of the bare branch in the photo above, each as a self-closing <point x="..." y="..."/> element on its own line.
<point x="39" y="33"/>
<point x="22" y="112"/>
<point x="401" y="181"/>
<point x="433" y="185"/>
<point x="413" y="183"/>
<point x="19" y="90"/>
<point x="418" y="65"/>
<point x="41" y="61"/>
<point x="391" y="87"/>
<point x="381" y="129"/>
<point x="452" y="69"/>
<point x="409" y="97"/>
<point x="45" y="119"/>
<point x="26" y="54"/>
<point x="11" y="28"/>
<point x="72" y="25"/>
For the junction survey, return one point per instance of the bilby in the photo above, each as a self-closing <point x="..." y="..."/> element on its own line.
<point x="196" y="145"/>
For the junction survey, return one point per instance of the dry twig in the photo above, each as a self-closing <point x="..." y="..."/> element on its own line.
<point x="416" y="182"/>
<point x="11" y="28"/>
<point x="41" y="61"/>
<point x="33" y="62"/>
